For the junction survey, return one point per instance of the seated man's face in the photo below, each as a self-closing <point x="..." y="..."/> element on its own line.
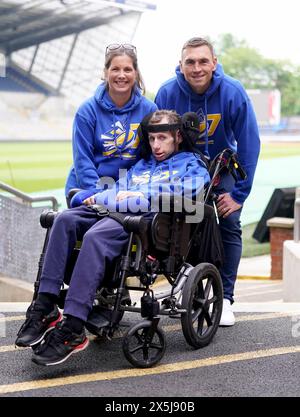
<point x="163" y="144"/>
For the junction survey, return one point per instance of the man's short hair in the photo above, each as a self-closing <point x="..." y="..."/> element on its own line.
<point x="195" y="42"/>
<point x="158" y="115"/>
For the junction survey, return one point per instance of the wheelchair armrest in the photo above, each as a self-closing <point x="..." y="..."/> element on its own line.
<point x="71" y="194"/>
<point x="73" y="191"/>
<point x="47" y="218"/>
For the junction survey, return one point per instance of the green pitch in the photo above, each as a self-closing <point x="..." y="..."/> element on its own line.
<point x="35" y="166"/>
<point x="279" y="150"/>
<point x="42" y="166"/>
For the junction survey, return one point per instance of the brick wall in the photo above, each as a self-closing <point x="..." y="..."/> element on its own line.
<point x="281" y="229"/>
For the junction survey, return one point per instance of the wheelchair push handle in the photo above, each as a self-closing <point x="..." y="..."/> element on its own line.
<point x="237" y="166"/>
<point x="227" y="159"/>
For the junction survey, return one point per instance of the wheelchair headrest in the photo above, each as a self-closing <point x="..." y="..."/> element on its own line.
<point x="188" y="127"/>
<point x="163" y="127"/>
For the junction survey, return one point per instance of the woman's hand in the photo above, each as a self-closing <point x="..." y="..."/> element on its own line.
<point x="126" y="194"/>
<point x="89" y="201"/>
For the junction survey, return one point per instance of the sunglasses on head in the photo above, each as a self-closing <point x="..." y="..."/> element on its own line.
<point x="124" y="46"/>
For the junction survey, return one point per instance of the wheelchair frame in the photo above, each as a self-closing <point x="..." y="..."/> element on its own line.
<point x="195" y="295"/>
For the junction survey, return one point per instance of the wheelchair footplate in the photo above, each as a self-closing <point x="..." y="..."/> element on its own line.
<point x="103" y="318"/>
<point x="98" y="319"/>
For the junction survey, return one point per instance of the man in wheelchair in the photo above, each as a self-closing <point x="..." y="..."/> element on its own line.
<point x="165" y="169"/>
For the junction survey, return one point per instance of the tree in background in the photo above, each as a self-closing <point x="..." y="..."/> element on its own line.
<point x="257" y="72"/>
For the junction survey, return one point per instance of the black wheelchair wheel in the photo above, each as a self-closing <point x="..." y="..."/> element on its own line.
<point x="140" y="351"/>
<point x="202" y="298"/>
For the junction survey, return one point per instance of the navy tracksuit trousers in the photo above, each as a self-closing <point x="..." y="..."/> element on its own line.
<point x="231" y="233"/>
<point x="102" y="241"/>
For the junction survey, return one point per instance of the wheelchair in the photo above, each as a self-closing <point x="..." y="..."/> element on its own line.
<point x="188" y="255"/>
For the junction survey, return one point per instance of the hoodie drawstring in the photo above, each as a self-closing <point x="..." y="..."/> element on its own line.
<point x="125" y="125"/>
<point x="206" y="128"/>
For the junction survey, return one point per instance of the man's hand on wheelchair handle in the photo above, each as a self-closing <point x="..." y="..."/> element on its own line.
<point x="226" y="205"/>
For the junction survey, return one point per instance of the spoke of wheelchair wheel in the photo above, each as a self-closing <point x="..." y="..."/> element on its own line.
<point x="138" y="337"/>
<point x="212" y="299"/>
<point x="145" y="353"/>
<point x="208" y="318"/>
<point x="155" y="346"/>
<point x="196" y="314"/>
<point x="207" y="288"/>
<point x="199" y="301"/>
<point x="139" y="347"/>
<point x="200" y="324"/>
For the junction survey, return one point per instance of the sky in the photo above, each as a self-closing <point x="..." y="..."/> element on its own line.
<point x="270" y="26"/>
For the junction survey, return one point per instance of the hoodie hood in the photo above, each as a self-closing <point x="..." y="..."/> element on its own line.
<point x="217" y="78"/>
<point x="105" y="102"/>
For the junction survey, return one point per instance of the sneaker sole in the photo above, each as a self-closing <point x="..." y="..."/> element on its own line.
<point x="79" y="348"/>
<point x="227" y="324"/>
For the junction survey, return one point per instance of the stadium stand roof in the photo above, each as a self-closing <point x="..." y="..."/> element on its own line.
<point x="56" y="47"/>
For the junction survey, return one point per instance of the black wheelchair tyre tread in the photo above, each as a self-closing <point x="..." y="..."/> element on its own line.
<point x="196" y="275"/>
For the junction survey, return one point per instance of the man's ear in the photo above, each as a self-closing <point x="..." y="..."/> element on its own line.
<point x="180" y="67"/>
<point x="215" y="61"/>
<point x="178" y="137"/>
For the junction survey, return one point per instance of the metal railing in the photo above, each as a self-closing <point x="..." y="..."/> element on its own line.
<point x="27" y="198"/>
<point x="21" y="235"/>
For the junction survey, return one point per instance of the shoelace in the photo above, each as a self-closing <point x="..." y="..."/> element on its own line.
<point x="56" y="337"/>
<point x="33" y="320"/>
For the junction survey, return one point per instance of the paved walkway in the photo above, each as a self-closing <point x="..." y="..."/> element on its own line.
<point x="256" y="266"/>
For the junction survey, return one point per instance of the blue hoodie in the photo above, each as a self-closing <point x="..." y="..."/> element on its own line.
<point x="104" y="137"/>
<point x="183" y="173"/>
<point x="227" y="120"/>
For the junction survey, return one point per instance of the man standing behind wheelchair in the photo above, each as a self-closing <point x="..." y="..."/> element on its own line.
<point x="167" y="158"/>
<point x="227" y="120"/>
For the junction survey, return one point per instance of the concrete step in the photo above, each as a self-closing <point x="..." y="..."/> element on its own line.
<point x="15" y="290"/>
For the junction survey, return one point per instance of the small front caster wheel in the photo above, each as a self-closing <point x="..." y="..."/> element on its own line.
<point x="144" y="344"/>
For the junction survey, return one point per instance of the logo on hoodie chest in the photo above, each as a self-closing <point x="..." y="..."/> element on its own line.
<point x="212" y="120"/>
<point x="120" y="142"/>
<point x="161" y="176"/>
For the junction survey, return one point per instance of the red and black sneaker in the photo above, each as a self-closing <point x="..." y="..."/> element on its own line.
<point x="59" y="345"/>
<point x="36" y="326"/>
